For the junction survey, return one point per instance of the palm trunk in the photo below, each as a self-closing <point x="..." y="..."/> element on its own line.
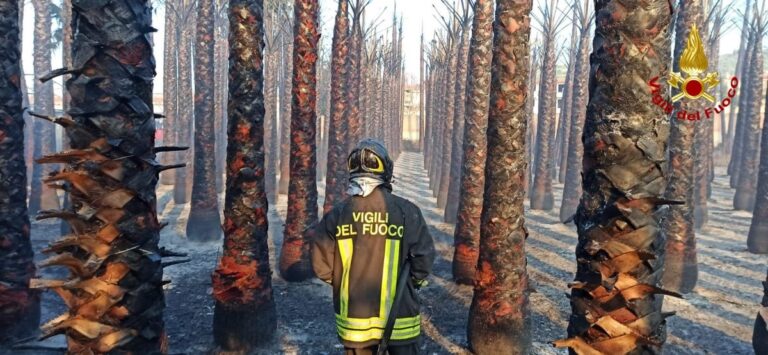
<point x="620" y="250"/>
<point x="352" y="86"/>
<point x="302" y="191"/>
<point x="530" y="119"/>
<point x="285" y="116"/>
<point x="743" y="114"/>
<point x="760" y="332"/>
<point x="242" y="282"/>
<point x="542" y="197"/>
<point x="568" y="97"/>
<point x="460" y="96"/>
<point x="337" y="126"/>
<point x="740" y="72"/>
<point x="572" y="190"/>
<point x="19" y="304"/>
<point x="444" y="161"/>
<point x="757" y="241"/>
<point x="113" y="308"/>
<point x="746" y="189"/>
<point x="183" y="187"/>
<point x="204" y="223"/>
<point x="170" y="86"/>
<point x="499" y="317"/>
<point x="466" y="237"/>
<point x="42" y="197"/>
<point x="220" y="56"/>
<point x="681" y="270"/>
<point x="270" y="121"/>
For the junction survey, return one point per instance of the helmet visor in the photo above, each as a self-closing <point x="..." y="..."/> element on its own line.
<point x="365" y="161"/>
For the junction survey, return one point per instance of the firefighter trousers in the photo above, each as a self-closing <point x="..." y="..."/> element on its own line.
<point x="407" y="349"/>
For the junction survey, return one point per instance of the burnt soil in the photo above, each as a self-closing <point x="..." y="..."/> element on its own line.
<point x="717" y="318"/>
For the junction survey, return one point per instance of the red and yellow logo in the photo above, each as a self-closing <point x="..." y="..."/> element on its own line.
<point x="693" y="83"/>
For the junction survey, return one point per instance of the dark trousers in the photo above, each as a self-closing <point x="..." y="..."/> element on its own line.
<point x="407" y="349"/>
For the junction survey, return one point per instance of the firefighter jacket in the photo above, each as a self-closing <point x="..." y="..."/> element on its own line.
<point x="359" y="248"/>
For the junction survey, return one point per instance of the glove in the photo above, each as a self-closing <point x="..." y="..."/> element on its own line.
<point x="418" y="284"/>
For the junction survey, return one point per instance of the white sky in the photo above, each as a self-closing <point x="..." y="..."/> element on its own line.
<point x="415" y="13"/>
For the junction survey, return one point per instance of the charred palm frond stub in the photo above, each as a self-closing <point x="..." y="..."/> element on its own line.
<point x="302" y="189"/>
<point x="245" y="314"/>
<point x="19" y="305"/>
<point x="335" y="183"/>
<point x="474" y="148"/>
<point x="114" y="290"/>
<point x="499" y="319"/>
<point x="615" y="298"/>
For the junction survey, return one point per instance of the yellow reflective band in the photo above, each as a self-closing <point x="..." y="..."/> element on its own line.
<point x="345" y="252"/>
<point x="384" y="296"/>
<point x="376" y="322"/>
<point x="378" y="333"/>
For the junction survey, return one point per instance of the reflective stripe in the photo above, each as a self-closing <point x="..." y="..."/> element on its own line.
<point x="375" y="322"/>
<point x="345" y="252"/>
<point x="389" y="276"/>
<point x="377" y="333"/>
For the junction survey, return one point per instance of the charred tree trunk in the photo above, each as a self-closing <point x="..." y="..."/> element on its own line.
<point x="19" y="305"/>
<point x="183" y="187"/>
<point x="444" y="161"/>
<point x="270" y="122"/>
<point x="204" y="223"/>
<point x="757" y="241"/>
<point x="743" y="114"/>
<point x="572" y="190"/>
<point x="542" y="197"/>
<point x="680" y="267"/>
<point x="740" y="72"/>
<point x="285" y="115"/>
<point x="302" y="191"/>
<point x="760" y="333"/>
<point x="499" y="319"/>
<point x="170" y="86"/>
<point x="620" y="250"/>
<point x="337" y="126"/>
<point x="115" y="305"/>
<point x="568" y="98"/>
<point x="245" y="315"/>
<point x="457" y="151"/>
<point x="530" y="119"/>
<point x="746" y="189"/>
<point x="42" y="197"/>
<point x="352" y="87"/>
<point x="466" y="237"/>
<point x="220" y="55"/>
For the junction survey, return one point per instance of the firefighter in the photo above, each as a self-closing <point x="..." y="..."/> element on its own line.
<point x="359" y="248"/>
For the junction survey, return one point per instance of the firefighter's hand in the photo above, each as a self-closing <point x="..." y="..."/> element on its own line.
<point x="418" y="284"/>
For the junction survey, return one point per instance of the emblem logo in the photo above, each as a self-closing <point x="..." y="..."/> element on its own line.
<point x="693" y="62"/>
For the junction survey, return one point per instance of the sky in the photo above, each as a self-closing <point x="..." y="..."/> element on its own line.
<point x="416" y="14"/>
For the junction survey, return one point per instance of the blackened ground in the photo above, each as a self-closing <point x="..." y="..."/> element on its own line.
<point x="716" y="319"/>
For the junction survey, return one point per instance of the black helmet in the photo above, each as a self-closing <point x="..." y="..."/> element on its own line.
<point x="370" y="158"/>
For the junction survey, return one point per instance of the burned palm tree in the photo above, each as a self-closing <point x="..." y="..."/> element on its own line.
<point x="615" y="298"/>
<point x="740" y="72"/>
<point x="499" y="320"/>
<point x="187" y="19"/>
<point x="114" y="290"/>
<point x="464" y="18"/>
<point x="746" y="188"/>
<point x="170" y="84"/>
<point x="245" y="314"/>
<point x="572" y="189"/>
<point x="564" y="127"/>
<point x="760" y="332"/>
<point x="337" y="148"/>
<point x="286" y="81"/>
<point x="19" y="305"/>
<point x="204" y="223"/>
<point x="302" y="190"/>
<point x="757" y="241"/>
<point x="466" y="238"/>
<point x="444" y="161"/>
<point x="680" y="266"/>
<point x="352" y="84"/>
<point x="541" y="192"/>
<point x="42" y="197"/>
<point x="271" y="70"/>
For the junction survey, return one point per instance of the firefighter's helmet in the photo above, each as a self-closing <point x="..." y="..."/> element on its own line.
<point x="370" y="158"/>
